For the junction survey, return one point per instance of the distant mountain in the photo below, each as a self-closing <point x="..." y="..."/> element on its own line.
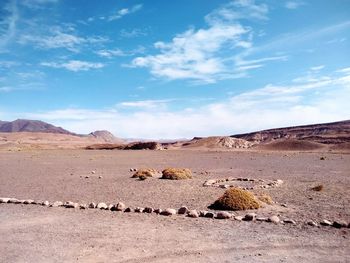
<point x="326" y="133"/>
<point x="22" y="125"/>
<point x="105" y="135"/>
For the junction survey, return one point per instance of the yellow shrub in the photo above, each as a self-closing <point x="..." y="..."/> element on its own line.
<point x="176" y="173"/>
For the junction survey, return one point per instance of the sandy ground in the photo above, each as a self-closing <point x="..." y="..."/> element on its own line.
<point x="39" y="234"/>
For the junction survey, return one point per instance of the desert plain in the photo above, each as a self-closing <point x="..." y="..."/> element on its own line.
<point x="35" y="233"/>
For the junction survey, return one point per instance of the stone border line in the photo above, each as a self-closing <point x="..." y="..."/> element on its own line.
<point x="170" y="212"/>
<point x="264" y="184"/>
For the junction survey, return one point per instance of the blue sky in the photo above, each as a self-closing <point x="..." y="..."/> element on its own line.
<point x="175" y="69"/>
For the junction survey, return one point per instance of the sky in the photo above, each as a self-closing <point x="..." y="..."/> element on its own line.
<point x="175" y="69"/>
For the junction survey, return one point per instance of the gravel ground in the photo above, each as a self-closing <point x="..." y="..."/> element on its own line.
<point x="40" y="234"/>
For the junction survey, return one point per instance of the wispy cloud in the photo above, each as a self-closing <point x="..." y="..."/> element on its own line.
<point x="200" y="55"/>
<point x="110" y="53"/>
<point x="8" y="23"/>
<point x="136" y="32"/>
<point x="293" y="4"/>
<point x="59" y="38"/>
<point x="74" y="65"/>
<point x="125" y="11"/>
<point x="146" y="104"/>
<point x="37" y="4"/>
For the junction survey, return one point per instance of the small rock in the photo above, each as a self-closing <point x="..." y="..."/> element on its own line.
<point x="92" y="205"/>
<point x="209" y="215"/>
<point x="284" y="205"/>
<point x="325" y="223"/>
<point x="45" y="203"/>
<point x="127" y="210"/>
<point x="202" y="213"/>
<point x="289" y="221"/>
<point x="70" y="204"/>
<point x="87" y="176"/>
<point x="193" y="214"/>
<point x="183" y="210"/>
<point x="12" y="200"/>
<point x="249" y="217"/>
<point x="238" y="218"/>
<point x="111" y="207"/>
<point x="168" y="212"/>
<point x="100" y="177"/>
<point x="225" y="186"/>
<point x="311" y="223"/>
<point x="279" y="182"/>
<point x="4" y="200"/>
<point x="93" y="172"/>
<point x="102" y="206"/>
<point x="28" y="202"/>
<point x="339" y="224"/>
<point x="148" y="210"/>
<point x="209" y="182"/>
<point x="274" y="219"/>
<point x="131" y="169"/>
<point x="83" y="206"/>
<point x="157" y="211"/>
<point x="262" y="219"/>
<point x="223" y="215"/>
<point x="120" y="206"/>
<point x="138" y="210"/>
<point x="57" y="204"/>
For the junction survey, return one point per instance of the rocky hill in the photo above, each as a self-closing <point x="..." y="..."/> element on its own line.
<point x="22" y="125"/>
<point x="326" y="133"/>
<point x="104" y="135"/>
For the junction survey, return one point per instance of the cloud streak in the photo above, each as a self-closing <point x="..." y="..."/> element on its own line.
<point x="74" y="65"/>
<point x="125" y="11"/>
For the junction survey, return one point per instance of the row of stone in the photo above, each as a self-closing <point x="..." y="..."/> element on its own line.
<point x="169" y="212"/>
<point x="222" y="183"/>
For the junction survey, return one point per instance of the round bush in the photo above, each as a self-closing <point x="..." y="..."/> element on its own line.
<point x="176" y="173"/>
<point x="144" y="173"/>
<point x="236" y="199"/>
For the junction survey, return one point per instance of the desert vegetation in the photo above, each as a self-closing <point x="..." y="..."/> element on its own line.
<point x="176" y="173"/>
<point x="236" y="199"/>
<point x="144" y="173"/>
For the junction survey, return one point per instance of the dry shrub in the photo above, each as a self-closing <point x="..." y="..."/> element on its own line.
<point x="265" y="198"/>
<point x="142" y="174"/>
<point x="318" y="188"/>
<point x="176" y="173"/>
<point x="236" y="199"/>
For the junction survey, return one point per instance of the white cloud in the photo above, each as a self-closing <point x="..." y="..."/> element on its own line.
<point x="74" y="65"/>
<point x="317" y="68"/>
<point x="59" y="38"/>
<point x="324" y="100"/>
<point x="125" y="11"/>
<point x="110" y="53"/>
<point x="206" y="55"/>
<point x="37" y="4"/>
<point x="293" y="4"/>
<point x="136" y="32"/>
<point x="236" y="10"/>
<point x="145" y="104"/>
